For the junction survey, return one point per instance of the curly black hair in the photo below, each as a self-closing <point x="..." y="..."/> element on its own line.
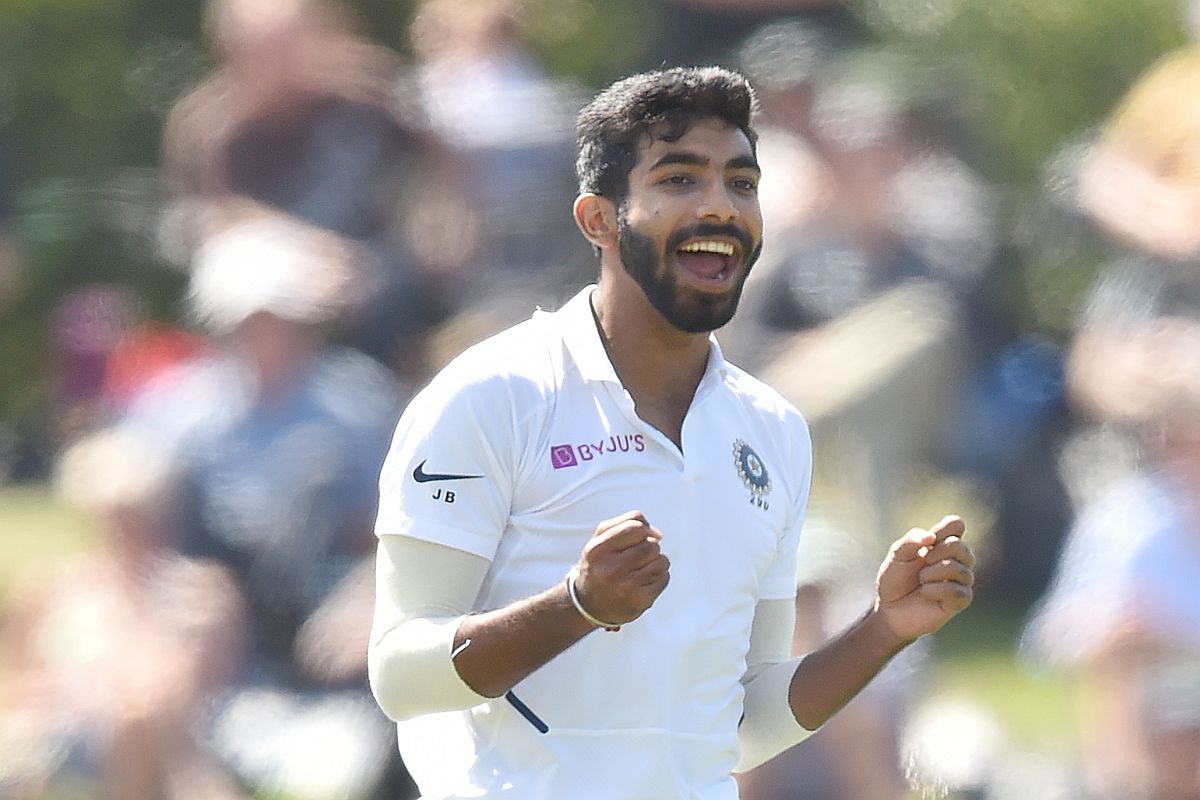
<point x="660" y="105"/>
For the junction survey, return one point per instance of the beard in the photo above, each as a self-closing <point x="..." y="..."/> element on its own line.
<point x="685" y="310"/>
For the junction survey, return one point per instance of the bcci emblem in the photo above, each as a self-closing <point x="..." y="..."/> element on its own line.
<point x="753" y="473"/>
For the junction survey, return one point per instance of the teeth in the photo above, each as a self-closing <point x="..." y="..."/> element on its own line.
<point x="721" y="248"/>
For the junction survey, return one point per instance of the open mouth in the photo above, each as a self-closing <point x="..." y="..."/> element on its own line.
<point x="709" y="262"/>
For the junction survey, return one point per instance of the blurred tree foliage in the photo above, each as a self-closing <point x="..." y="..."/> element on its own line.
<point x="1037" y="71"/>
<point x="1034" y="78"/>
<point x="85" y="86"/>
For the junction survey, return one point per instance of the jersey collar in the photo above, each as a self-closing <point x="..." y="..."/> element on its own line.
<point x="581" y="335"/>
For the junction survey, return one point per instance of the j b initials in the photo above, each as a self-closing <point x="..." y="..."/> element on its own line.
<point x="446" y="496"/>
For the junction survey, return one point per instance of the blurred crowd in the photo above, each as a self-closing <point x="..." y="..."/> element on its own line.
<point x="348" y="221"/>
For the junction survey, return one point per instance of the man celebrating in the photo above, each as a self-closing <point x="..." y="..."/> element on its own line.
<point x="603" y="467"/>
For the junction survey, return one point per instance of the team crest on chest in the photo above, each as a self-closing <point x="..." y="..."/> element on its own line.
<point x="753" y="472"/>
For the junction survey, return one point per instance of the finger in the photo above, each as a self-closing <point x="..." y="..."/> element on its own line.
<point x="652" y="572"/>
<point x="639" y="555"/>
<point x="660" y="585"/>
<point x="649" y="535"/>
<point x="948" y="594"/>
<point x="653" y="582"/>
<point x="909" y="546"/>
<point x="954" y="549"/>
<point x="623" y="535"/>
<point x="947" y="571"/>
<point x="628" y="516"/>
<point x="950" y="525"/>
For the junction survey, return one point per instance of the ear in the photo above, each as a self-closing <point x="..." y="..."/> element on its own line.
<point x="596" y="217"/>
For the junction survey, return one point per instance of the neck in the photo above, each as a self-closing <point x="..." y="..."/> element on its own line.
<point x="659" y="365"/>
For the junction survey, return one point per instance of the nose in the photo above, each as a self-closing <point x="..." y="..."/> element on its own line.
<point x="717" y="205"/>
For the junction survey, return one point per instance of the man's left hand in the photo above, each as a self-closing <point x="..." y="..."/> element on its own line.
<point x="925" y="580"/>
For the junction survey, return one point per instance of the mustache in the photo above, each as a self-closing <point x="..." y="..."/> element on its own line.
<point x="705" y="230"/>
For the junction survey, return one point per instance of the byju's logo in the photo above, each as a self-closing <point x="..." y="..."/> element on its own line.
<point x="567" y="455"/>
<point x="563" y="456"/>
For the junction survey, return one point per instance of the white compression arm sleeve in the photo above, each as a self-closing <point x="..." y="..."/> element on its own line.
<point x="422" y="592"/>
<point x="768" y="725"/>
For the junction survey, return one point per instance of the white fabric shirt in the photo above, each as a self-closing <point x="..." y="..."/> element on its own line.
<point x="543" y="443"/>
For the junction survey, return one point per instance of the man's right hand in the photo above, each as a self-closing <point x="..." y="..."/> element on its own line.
<point x="622" y="570"/>
<point x="620" y="573"/>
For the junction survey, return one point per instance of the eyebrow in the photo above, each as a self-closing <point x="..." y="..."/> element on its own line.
<point x="743" y="162"/>
<point x="690" y="159"/>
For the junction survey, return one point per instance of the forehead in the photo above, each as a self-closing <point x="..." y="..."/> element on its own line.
<point x="714" y="140"/>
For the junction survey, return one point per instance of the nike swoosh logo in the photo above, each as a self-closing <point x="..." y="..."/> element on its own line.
<point x="421" y="476"/>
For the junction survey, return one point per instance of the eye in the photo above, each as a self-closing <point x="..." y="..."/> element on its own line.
<point x="678" y="180"/>
<point x="745" y="185"/>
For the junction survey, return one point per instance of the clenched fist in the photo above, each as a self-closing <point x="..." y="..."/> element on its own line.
<point x="622" y="570"/>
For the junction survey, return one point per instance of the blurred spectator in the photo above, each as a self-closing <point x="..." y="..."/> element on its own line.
<point x="282" y="435"/>
<point x="1141" y="182"/>
<point x="303" y="115"/>
<point x="1138" y="182"/>
<point x="298" y="115"/>
<point x="892" y="199"/>
<point x="481" y="86"/>
<point x="149" y="354"/>
<point x="105" y="353"/>
<point x="111" y="655"/>
<point x="1123" y="609"/>
<point x="87" y="326"/>
<point x="513" y="128"/>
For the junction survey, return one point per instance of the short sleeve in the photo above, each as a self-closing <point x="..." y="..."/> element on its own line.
<point x="449" y="474"/>
<point x="779" y="583"/>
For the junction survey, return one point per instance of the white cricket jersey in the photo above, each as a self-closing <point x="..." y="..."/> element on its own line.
<point x="514" y="453"/>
